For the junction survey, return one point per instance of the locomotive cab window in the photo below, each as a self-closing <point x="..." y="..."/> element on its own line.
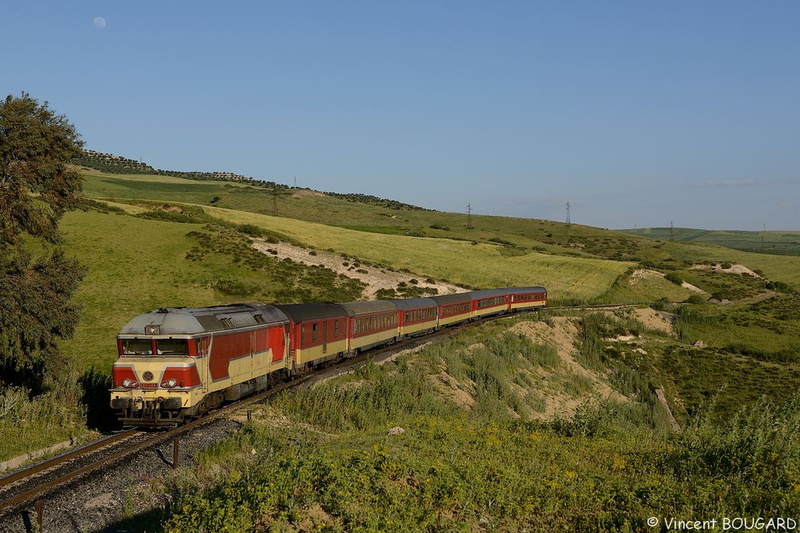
<point x="172" y="346"/>
<point x="137" y="347"/>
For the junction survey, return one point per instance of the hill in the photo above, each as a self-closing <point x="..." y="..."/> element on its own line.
<point x="542" y="405"/>
<point x="190" y="251"/>
<point x="764" y="242"/>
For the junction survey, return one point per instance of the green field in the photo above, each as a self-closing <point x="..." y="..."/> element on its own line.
<point x="766" y="242"/>
<point x="154" y="241"/>
<point x="137" y="264"/>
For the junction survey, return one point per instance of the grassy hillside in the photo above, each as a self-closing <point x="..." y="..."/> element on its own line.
<point x="172" y="258"/>
<point x="472" y="454"/>
<point x="767" y="242"/>
<point x="519" y="424"/>
<point x="514" y="236"/>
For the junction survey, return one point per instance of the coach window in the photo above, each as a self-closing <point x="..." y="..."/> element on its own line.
<point x="172" y="346"/>
<point x="314" y="332"/>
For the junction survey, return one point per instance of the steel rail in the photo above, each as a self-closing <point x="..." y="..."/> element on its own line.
<point x="38" y="468"/>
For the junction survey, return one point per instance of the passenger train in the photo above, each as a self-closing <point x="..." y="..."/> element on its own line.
<point x="177" y="363"/>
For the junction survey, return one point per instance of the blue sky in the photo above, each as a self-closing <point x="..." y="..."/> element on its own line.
<point x="636" y="113"/>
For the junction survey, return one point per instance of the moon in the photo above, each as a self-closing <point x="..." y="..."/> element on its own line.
<point x="99" y="22"/>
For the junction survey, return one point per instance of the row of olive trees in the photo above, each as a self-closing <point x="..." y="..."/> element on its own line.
<point x="37" y="187"/>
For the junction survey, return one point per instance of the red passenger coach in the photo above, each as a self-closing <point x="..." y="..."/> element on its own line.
<point x="371" y="324"/>
<point x="453" y="308"/>
<point x="527" y="298"/>
<point x="318" y="333"/>
<point x="490" y="302"/>
<point x="416" y="316"/>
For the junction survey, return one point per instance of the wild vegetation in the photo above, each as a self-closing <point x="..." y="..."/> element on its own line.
<point x="322" y="459"/>
<point x="762" y="242"/>
<point x="113" y="164"/>
<point x="37" y="278"/>
<point x="499" y="433"/>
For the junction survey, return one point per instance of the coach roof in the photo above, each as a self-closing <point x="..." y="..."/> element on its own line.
<point x="308" y="312"/>
<point x="446" y="299"/>
<point x="414" y="303"/>
<point x="368" y="308"/>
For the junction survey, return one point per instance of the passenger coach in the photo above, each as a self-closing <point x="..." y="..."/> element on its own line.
<point x="318" y="333"/>
<point x="416" y="316"/>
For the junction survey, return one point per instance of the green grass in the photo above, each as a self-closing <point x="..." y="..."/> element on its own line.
<point x="137" y="264"/>
<point x="474" y="265"/>
<point x="36" y="423"/>
<point x="768" y="330"/>
<point x="134" y="265"/>
<point x="328" y="463"/>
<point x="644" y="286"/>
<point x="769" y="242"/>
<point x="720" y="383"/>
<point x="528" y="235"/>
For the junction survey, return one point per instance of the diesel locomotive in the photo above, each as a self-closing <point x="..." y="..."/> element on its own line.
<point x="177" y="363"/>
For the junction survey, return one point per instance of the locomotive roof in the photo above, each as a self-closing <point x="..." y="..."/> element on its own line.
<point x="192" y="320"/>
<point x="305" y="312"/>
<point x="414" y="303"/>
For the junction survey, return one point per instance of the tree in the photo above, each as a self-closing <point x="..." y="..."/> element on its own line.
<point x="36" y="183"/>
<point x="37" y="186"/>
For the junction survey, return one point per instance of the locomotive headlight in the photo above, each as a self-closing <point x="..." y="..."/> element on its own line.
<point x="129" y="383"/>
<point x="171" y="382"/>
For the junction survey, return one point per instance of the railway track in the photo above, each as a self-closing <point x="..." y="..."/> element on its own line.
<point x="33" y="483"/>
<point x="24" y="485"/>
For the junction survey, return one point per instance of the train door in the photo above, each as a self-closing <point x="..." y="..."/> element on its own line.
<point x="325" y="337"/>
<point x="253" y="364"/>
<point x="204" y="353"/>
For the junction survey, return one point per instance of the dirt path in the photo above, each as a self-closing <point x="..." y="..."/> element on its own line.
<point x="375" y="278"/>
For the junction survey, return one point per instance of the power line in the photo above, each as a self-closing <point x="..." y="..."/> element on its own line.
<point x="469" y="216"/>
<point x="568" y="220"/>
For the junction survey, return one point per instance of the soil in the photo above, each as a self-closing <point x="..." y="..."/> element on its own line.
<point x="375" y="278"/>
<point x="733" y="269"/>
<point x="562" y="335"/>
<point x="657" y="320"/>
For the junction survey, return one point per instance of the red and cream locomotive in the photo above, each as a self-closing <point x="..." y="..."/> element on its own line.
<point x="176" y="363"/>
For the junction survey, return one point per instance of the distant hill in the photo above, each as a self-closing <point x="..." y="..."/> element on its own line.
<point x="766" y="242"/>
<point x="374" y="200"/>
<point x="114" y="164"/>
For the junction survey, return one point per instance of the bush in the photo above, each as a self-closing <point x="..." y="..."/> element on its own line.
<point x="695" y="299"/>
<point x="660" y="304"/>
